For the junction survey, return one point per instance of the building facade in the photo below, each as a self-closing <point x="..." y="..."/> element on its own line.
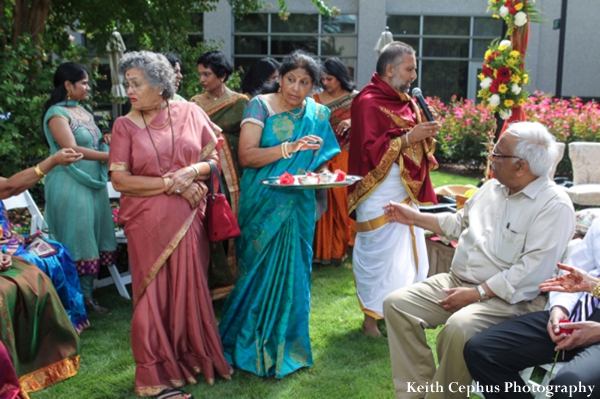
<point x="450" y="38"/>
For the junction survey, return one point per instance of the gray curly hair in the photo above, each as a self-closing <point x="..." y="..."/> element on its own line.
<point x="156" y="69"/>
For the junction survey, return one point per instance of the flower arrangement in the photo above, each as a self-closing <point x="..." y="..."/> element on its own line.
<point x="516" y="13"/>
<point x="502" y="78"/>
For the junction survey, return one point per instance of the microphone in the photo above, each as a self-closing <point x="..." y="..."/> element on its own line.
<point x="416" y="93"/>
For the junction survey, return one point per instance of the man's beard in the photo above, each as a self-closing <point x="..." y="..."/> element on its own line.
<point x="399" y="85"/>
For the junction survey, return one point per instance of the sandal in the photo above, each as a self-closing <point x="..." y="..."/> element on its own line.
<point x="174" y="393"/>
<point x="93" y="304"/>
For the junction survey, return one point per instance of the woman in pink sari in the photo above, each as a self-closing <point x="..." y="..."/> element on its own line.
<point x="158" y="161"/>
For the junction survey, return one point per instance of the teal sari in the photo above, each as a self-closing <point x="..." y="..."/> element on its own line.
<point x="264" y="325"/>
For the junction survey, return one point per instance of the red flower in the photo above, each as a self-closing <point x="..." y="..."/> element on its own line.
<point x="286" y="179"/>
<point x="487" y="71"/>
<point x="492" y="57"/>
<point x="503" y="74"/>
<point x="564" y="330"/>
<point x="494" y="86"/>
<point x="341" y="175"/>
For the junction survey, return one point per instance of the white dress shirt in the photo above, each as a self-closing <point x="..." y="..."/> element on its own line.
<point x="511" y="242"/>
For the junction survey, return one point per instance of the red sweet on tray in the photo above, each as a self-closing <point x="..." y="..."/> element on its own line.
<point x="286" y="179"/>
<point x="341" y="175"/>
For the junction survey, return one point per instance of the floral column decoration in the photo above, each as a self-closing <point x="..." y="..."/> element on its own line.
<point x="503" y="77"/>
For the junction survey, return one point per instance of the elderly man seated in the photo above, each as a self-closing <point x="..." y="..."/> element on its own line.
<point x="510" y="234"/>
<point x="495" y="356"/>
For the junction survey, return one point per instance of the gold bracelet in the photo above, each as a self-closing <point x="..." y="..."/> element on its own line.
<point x="38" y="171"/>
<point x="596" y="291"/>
<point x="195" y="170"/>
<point x="166" y="180"/>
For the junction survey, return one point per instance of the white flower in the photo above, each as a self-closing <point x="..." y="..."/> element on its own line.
<point x="520" y="18"/>
<point x="505" y="43"/>
<point x="494" y="100"/>
<point x="506" y="114"/>
<point x="503" y="11"/>
<point x="486" y="83"/>
<point x="515" y="89"/>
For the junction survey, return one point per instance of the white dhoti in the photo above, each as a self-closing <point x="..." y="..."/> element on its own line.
<point x="384" y="257"/>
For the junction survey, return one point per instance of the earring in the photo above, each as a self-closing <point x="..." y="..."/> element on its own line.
<point x="68" y="94"/>
<point x="160" y="94"/>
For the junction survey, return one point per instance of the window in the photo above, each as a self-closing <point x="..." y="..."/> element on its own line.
<point x="261" y="35"/>
<point x="449" y="50"/>
<point x="197" y="36"/>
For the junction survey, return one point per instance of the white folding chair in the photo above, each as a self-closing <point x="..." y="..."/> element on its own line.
<point x="116" y="278"/>
<point x="25" y="200"/>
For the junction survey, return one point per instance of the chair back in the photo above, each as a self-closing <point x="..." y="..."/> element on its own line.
<point x="585" y="158"/>
<point x="112" y="193"/>
<point x="25" y="200"/>
<point x="560" y="147"/>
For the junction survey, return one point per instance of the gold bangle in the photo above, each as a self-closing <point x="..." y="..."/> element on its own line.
<point x="195" y="170"/>
<point x="38" y="171"/>
<point x="166" y="180"/>
<point x="596" y="291"/>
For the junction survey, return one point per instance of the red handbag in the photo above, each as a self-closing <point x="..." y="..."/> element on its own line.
<point x="221" y="223"/>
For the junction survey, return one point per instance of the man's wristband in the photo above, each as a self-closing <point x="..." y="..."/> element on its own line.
<point x="596" y="291"/>
<point x="483" y="296"/>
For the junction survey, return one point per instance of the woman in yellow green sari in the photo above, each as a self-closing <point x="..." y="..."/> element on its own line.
<point x="332" y="232"/>
<point x="225" y="109"/>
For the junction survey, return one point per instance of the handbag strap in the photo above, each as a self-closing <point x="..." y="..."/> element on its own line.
<point x="214" y="171"/>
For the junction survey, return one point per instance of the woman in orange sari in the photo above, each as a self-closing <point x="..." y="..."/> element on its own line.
<point x="332" y="232"/>
<point x="158" y="162"/>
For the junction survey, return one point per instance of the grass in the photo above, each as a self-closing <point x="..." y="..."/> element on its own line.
<point x="346" y="363"/>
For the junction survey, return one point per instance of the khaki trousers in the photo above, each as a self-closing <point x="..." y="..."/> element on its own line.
<point x="408" y="311"/>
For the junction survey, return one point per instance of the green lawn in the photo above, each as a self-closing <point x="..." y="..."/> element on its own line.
<point x="347" y="364"/>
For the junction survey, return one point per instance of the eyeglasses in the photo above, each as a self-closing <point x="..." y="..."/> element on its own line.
<point x="497" y="155"/>
<point x="133" y="85"/>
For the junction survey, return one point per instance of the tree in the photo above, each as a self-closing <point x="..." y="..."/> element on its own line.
<point x="34" y="35"/>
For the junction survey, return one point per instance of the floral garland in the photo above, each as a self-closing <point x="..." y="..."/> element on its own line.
<point x="502" y="78"/>
<point x="503" y="75"/>
<point x="516" y="13"/>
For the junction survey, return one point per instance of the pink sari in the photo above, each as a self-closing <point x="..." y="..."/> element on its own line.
<point x="9" y="383"/>
<point x="174" y="333"/>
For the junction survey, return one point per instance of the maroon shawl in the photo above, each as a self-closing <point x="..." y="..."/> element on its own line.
<point x="380" y="117"/>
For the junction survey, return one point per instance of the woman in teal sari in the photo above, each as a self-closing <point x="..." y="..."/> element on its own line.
<point x="264" y="325"/>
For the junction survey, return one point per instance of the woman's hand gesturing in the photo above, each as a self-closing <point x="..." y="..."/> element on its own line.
<point x="66" y="156"/>
<point x="310" y="142"/>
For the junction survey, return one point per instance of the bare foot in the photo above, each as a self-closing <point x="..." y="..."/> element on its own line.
<point x="370" y="328"/>
<point x="91" y="303"/>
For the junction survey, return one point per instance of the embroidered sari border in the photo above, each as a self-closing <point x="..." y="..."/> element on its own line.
<point x="163" y="257"/>
<point x="49" y="375"/>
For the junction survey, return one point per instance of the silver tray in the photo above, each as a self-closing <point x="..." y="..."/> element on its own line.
<point x="274" y="182"/>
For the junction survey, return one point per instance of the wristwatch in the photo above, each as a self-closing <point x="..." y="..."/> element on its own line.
<point x="483" y="296"/>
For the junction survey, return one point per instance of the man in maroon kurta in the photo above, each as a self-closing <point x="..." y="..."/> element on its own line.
<point x="392" y="148"/>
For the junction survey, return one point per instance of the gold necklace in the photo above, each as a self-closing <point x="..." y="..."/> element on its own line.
<point x="297" y="115"/>
<point x="155" y="127"/>
<point x="154" y="145"/>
